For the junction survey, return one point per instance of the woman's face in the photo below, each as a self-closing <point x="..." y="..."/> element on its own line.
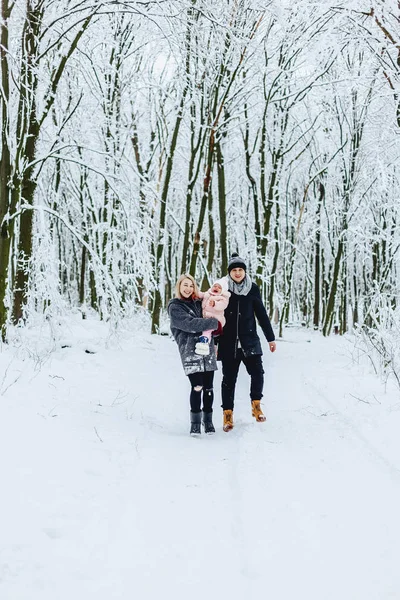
<point x="186" y="288"/>
<point x="238" y="274"/>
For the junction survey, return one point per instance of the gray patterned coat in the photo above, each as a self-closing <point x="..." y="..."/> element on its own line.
<point x="187" y="325"/>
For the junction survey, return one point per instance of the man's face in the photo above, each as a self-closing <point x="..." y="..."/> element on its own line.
<point x="237" y="274"/>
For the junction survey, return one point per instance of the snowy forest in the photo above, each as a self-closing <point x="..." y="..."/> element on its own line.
<point x="145" y="139"/>
<point x="141" y="140"/>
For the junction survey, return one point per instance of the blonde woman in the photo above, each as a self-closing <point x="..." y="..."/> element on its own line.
<point x="187" y="324"/>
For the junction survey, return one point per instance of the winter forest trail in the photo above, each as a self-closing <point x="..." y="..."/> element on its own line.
<point x="109" y="498"/>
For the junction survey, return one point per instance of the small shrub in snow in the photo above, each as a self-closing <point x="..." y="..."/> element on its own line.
<point x="380" y="341"/>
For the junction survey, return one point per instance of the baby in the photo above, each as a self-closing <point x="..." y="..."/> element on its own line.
<point x="214" y="303"/>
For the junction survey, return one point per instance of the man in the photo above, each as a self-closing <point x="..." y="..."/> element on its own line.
<point x="240" y="341"/>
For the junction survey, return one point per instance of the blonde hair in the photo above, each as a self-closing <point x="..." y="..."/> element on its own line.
<point x="178" y="286"/>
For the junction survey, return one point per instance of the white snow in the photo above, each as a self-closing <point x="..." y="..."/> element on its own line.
<point x="105" y="496"/>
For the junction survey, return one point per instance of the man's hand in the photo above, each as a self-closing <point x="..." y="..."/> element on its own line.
<point x="272" y="346"/>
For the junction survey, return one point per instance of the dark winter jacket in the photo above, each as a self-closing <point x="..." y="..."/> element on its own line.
<point x="187" y="325"/>
<point x="241" y="325"/>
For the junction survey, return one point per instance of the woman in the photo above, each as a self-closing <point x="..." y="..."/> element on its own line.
<point x="186" y="325"/>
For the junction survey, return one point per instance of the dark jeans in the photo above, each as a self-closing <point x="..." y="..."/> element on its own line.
<point x="205" y="381"/>
<point x="230" y="369"/>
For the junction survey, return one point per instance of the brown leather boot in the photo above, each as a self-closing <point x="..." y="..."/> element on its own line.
<point x="228" y="420"/>
<point x="256" y="411"/>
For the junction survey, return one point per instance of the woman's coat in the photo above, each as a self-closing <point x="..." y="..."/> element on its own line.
<point x="187" y="325"/>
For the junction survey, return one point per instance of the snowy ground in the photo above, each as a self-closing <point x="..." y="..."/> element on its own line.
<point x="105" y="496"/>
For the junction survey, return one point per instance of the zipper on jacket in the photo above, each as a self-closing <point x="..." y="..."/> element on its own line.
<point x="237" y="327"/>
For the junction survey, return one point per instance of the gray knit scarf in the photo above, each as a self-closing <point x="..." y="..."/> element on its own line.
<point x="242" y="288"/>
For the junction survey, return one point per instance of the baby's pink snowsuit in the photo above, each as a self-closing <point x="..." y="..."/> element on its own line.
<point x="214" y="304"/>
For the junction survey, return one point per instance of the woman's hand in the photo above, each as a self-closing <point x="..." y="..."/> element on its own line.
<point x="272" y="346"/>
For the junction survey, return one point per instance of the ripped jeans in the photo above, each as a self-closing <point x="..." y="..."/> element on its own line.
<point x="202" y="385"/>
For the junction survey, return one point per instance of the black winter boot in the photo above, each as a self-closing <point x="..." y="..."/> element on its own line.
<point x="195" y="420"/>
<point x="207" y="422"/>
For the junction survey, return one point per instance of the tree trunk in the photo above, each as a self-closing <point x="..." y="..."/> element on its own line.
<point x="253" y="183"/>
<point x="272" y="281"/>
<point x="28" y="129"/>
<point x="207" y="281"/>
<point x="222" y="209"/>
<point x="333" y="291"/>
<point x="203" y="204"/>
<point x="5" y="169"/>
<point x="82" y="277"/>
<point x="317" y="258"/>
<point x="159" y="266"/>
<point x="196" y="153"/>
<point x="344" y="301"/>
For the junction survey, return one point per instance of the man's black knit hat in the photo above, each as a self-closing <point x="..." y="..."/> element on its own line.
<point x="235" y="261"/>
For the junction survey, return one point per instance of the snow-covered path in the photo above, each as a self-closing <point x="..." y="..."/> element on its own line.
<point x="106" y="496"/>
